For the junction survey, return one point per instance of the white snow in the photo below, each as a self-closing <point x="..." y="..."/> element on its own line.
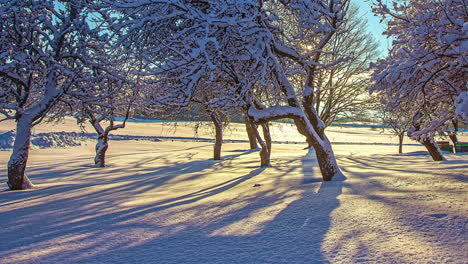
<point x="167" y="202"/>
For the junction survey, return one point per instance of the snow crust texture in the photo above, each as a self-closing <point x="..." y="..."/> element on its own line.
<point x="166" y="202"/>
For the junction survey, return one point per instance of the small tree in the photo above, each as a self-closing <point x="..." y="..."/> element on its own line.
<point x="102" y="112"/>
<point x="397" y="122"/>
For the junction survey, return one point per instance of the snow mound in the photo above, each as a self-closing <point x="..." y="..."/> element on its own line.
<point x="46" y="140"/>
<point x="57" y="139"/>
<point x="7" y="139"/>
<point x="63" y="139"/>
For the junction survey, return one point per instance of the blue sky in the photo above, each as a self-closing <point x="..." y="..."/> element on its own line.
<point x="374" y="25"/>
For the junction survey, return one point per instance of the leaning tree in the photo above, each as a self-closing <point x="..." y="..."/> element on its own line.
<point x="341" y="89"/>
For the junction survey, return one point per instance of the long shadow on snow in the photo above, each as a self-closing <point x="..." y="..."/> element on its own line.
<point x="136" y="181"/>
<point x="147" y="178"/>
<point x="404" y="198"/>
<point x="294" y="235"/>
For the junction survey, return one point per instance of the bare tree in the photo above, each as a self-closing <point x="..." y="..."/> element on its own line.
<point x="342" y="89"/>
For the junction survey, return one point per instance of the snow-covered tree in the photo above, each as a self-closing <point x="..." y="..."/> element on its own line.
<point x="318" y="22"/>
<point x="107" y="108"/>
<point x="244" y="44"/>
<point x="396" y="120"/>
<point x="49" y="49"/>
<point x="427" y="64"/>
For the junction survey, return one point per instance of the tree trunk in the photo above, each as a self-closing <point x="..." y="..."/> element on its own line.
<point x="101" y="147"/>
<point x="400" y="142"/>
<point x="250" y="132"/>
<point x="307" y="121"/>
<point x="265" y="151"/>
<point x="327" y="161"/>
<point x="454" y="139"/>
<point x="218" y="136"/>
<point x="302" y="130"/>
<point x="267" y="137"/>
<point x="433" y="149"/>
<point x="264" y="154"/>
<point x="324" y="153"/>
<point x="453" y="136"/>
<point x="17" y="179"/>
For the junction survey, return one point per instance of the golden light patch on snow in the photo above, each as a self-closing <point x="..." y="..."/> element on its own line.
<point x="253" y="223"/>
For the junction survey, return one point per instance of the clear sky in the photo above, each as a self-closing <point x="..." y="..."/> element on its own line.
<point x="374" y="25"/>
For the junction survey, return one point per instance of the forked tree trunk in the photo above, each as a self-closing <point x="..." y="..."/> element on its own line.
<point x="103" y="138"/>
<point x="265" y="150"/>
<point x="400" y="142"/>
<point x="218" y="136"/>
<point x="250" y="132"/>
<point x="433" y="149"/>
<point x="101" y="148"/>
<point x="307" y="120"/>
<point x="17" y="179"/>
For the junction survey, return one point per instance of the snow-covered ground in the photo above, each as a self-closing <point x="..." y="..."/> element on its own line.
<point x="167" y="202"/>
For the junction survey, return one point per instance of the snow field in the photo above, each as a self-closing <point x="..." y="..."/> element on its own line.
<point x="167" y="202"/>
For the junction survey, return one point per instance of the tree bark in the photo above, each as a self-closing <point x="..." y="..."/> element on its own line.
<point x="218" y="136"/>
<point x="265" y="150"/>
<point x="327" y="161"/>
<point x="453" y="136"/>
<point x="433" y="149"/>
<point x="324" y="153"/>
<point x="17" y="179"/>
<point x="302" y="130"/>
<point x="267" y="136"/>
<point x="250" y="132"/>
<point x="400" y="142"/>
<point x="101" y="148"/>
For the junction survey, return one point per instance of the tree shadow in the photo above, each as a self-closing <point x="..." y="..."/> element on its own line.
<point x="221" y="222"/>
<point x="408" y="197"/>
